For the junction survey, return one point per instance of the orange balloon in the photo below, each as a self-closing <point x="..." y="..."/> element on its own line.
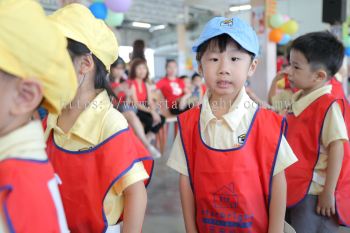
<point x="276" y="35"/>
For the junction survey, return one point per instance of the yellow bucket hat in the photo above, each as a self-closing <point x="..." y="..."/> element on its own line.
<point x="79" y="24"/>
<point x="32" y="48"/>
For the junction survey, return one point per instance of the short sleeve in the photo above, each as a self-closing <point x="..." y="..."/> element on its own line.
<point x="334" y="127"/>
<point x="135" y="174"/>
<point x="285" y="157"/>
<point x="177" y="158"/>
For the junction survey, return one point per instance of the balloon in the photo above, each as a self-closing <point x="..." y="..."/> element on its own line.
<point x="290" y="27"/>
<point x="347" y="51"/>
<point x="118" y="5"/>
<point x="97" y="1"/>
<point x="276" y="35"/>
<point x="114" y="19"/>
<point x="276" y="20"/>
<point x="99" y="10"/>
<point x="286" y="18"/>
<point x="285" y="39"/>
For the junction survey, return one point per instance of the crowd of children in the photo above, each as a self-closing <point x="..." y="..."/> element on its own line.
<point x="243" y="168"/>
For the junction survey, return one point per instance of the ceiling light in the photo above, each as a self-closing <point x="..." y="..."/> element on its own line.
<point x="156" y="28"/>
<point x="240" y="8"/>
<point x="141" y="25"/>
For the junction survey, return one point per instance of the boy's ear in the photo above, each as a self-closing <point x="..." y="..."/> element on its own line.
<point x="27" y="98"/>
<point x="200" y="69"/>
<point x="252" y="67"/>
<point x="321" y="75"/>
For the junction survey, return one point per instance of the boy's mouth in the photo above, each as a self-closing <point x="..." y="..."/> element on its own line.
<point x="223" y="83"/>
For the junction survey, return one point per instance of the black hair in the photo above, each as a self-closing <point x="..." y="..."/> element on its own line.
<point x="75" y="49"/>
<point x="168" y="61"/>
<point x="119" y="61"/>
<point x="321" y="50"/>
<point x="138" y="50"/>
<point x="183" y="77"/>
<point x="195" y="74"/>
<point x="220" y="41"/>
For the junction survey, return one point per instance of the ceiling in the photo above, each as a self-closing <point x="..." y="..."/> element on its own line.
<point x="175" y="11"/>
<point x="158" y="12"/>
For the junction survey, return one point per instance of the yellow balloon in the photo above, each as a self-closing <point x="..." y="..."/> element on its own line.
<point x="290" y="27"/>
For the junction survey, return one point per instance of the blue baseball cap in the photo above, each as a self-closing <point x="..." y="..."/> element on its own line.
<point x="236" y="28"/>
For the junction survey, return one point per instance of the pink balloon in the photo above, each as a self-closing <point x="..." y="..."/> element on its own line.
<point x="118" y="5"/>
<point x="286" y="18"/>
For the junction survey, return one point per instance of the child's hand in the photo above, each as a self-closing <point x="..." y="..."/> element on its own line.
<point x="326" y="204"/>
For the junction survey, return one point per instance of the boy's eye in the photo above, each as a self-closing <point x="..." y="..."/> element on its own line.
<point x="296" y="67"/>
<point x="235" y="59"/>
<point x="213" y="59"/>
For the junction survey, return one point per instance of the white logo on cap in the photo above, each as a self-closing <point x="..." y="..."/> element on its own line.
<point x="227" y="23"/>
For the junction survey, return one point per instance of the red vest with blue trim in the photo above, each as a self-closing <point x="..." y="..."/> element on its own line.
<point x="304" y="134"/>
<point x="88" y="175"/>
<point x="232" y="187"/>
<point x="28" y="203"/>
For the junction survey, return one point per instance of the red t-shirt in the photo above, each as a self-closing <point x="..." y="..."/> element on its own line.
<point x="141" y="93"/>
<point x="171" y="89"/>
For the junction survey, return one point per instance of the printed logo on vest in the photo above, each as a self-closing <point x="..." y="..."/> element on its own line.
<point x="223" y="214"/>
<point x="241" y="138"/>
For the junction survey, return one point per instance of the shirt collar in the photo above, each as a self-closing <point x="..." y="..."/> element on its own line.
<point x="299" y="104"/>
<point x="89" y="124"/>
<point x="238" y="109"/>
<point x="26" y="142"/>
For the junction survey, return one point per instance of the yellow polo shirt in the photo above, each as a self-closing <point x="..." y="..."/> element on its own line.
<point x="334" y="129"/>
<point x="227" y="133"/>
<point x="96" y="123"/>
<point x="26" y="142"/>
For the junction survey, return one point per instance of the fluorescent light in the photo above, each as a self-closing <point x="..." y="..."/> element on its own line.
<point x="240" y="8"/>
<point x="141" y="25"/>
<point x="158" y="27"/>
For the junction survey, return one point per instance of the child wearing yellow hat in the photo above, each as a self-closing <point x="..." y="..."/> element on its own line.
<point x="35" y="68"/>
<point x="103" y="166"/>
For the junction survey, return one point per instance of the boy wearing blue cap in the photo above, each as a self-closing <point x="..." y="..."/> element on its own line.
<point x="230" y="154"/>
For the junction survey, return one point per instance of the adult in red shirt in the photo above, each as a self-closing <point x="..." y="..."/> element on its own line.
<point x="141" y="98"/>
<point x="171" y="87"/>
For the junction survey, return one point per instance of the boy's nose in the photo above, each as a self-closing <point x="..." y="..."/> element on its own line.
<point x="224" y="68"/>
<point x="288" y="70"/>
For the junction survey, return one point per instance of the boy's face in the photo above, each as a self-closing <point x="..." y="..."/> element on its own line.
<point x="225" y="73"/>
<point x="171" y="69"/>
<point x="197" y="81"/>
<point x="19" y="99"/>
<point x="299" y="72"/>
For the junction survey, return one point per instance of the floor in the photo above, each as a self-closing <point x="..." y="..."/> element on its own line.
<point x="164" y="207"/>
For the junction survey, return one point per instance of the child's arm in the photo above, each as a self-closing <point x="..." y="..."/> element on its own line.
<point x="135" y="201"/>
<point x="326" y="201"/>
<point x="278" y="203"/>
<point x="187" y="202"/>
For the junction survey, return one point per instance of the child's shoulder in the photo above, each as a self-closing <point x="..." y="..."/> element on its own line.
<point x="113" y="122"/>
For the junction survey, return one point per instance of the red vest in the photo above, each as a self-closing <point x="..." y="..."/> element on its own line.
<point x="304" y="136"/>
<point x="5" y="218"/>
<point x="88" y="175"/>
<point x="30" y="207"/>
<point x="232" y="187"/>
<point x="338" y="93"/>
